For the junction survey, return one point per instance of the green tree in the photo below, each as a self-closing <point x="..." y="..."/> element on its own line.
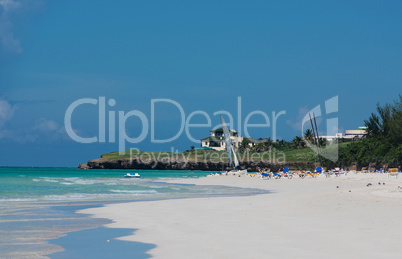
<point x="281" y="144"/>
<point x="298" y="143"/>
<point x="323" y="142"/>
<point x="308" y="135"/>
<point x="244" y="145"/>
<point x="383" y="143"/>
<point x="387" y="123"/>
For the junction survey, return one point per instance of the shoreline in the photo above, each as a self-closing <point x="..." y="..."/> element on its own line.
<point x="69" y="243"/>
<point x="299" y="217"/>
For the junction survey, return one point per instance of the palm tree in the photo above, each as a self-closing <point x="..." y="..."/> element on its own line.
<point x="244" y="145"/>
<point x="298" y="143"/>
<point x="308" y="135"/>
<point x="267" y="144"/>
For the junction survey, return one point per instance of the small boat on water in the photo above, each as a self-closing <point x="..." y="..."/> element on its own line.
<point x="136" y="175"/>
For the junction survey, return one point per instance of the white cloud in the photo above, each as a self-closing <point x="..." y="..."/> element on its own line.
<point x="7" y="38"/>
<point x="9" y="4"/>
<point x="45" y="125"/>
<point x="50" y="128"/>
<point x="6" y="112"/>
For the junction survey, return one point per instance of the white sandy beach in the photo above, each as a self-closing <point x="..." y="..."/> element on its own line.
<point x="301" y="218"/>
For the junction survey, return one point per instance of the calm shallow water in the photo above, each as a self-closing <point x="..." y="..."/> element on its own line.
<point x="39" y="204"/>
<point x="70" y="184"/>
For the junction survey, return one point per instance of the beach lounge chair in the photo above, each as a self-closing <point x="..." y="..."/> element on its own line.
<point x="312" y="174"/>
<point x="302" y="174"/>
<point x="363" y="170"/>
<point x="380" y="171"/>
<point x="393" y="172"/>
<point x="331" y="172"/>
<point x="277" y="175"/>
<point x="287" y="173"/>
<point x="318" y="171"/>
<point x="265" y="174"/>
<point x="337" y="171"/>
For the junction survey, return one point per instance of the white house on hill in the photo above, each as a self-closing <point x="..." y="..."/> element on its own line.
<point x="217" y="139"/>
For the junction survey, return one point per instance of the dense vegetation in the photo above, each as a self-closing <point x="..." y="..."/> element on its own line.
<point x="267" y="144"/>
<point x="383" y="143"/>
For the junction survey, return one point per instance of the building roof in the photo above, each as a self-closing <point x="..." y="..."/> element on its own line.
<point x="360" y="128"/>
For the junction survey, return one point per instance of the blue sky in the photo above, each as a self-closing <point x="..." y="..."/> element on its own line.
<point x="277" y="56"/>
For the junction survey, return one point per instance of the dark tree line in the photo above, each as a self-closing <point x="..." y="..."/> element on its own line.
<point x="266" y="144"/>
<point x="383" y="142"/>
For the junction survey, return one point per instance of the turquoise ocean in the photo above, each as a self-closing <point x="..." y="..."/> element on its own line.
<point x="38" y="205"/>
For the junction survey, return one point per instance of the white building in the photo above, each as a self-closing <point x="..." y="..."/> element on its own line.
<point x="332" y="138"/>
<point x="359" y="132"/>
<point x="217" y="139"/>
<point x="349" y="134"/>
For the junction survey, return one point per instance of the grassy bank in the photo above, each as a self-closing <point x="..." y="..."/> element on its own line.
<point x="273" y="156"/>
